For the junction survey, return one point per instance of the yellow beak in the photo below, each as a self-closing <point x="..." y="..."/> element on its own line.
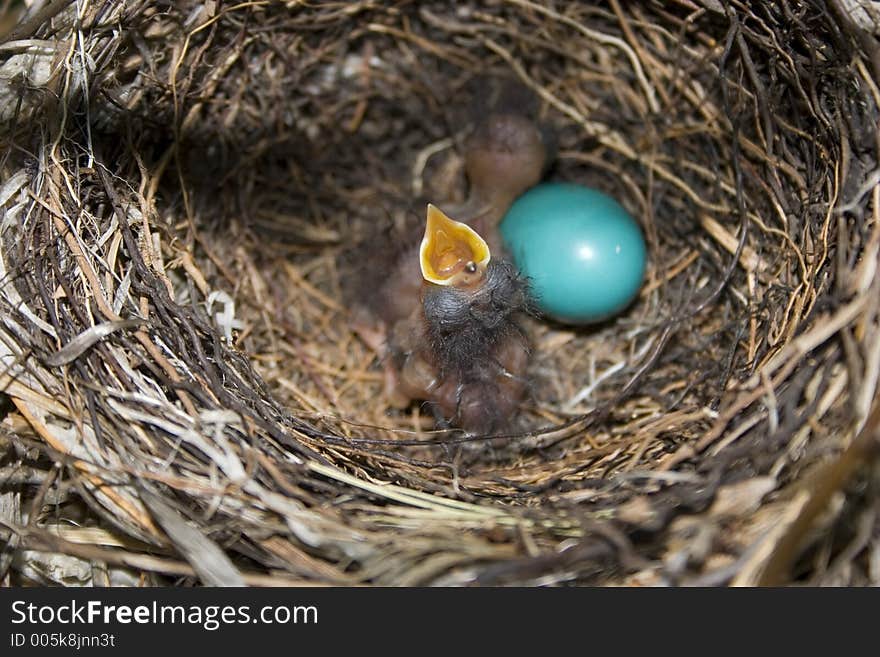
<point x="450" y="248"/>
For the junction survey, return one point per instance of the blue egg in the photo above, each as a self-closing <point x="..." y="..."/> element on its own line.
<point x="585" y="255"/>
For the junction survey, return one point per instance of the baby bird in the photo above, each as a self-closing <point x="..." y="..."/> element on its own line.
<point x="505" y="156"/>
<point x="462" y="349"/>
<point x="445" y="317"/>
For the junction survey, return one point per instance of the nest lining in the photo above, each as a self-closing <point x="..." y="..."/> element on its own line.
<point x="180" y="193"/>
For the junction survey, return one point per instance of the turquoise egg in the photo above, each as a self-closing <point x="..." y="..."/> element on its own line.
<point x="585" y="255"/>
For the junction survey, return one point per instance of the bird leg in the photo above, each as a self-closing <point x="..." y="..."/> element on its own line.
<point x="371" y="332"/>
<point x="375" y="336"/>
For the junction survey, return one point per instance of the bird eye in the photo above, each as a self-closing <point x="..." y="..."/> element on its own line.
<point x="470" y="267"/>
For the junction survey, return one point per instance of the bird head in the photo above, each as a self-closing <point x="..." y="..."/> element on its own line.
<point x="506" y="155"/>
<point x="452" y="253"/>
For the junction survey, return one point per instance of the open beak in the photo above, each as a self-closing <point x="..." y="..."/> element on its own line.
<point x="451" y="252"/>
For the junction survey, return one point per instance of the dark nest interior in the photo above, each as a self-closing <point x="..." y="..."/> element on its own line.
<point x="184" y="399"/>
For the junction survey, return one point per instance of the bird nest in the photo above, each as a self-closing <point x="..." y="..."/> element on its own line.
<point x="184" y="397"/>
